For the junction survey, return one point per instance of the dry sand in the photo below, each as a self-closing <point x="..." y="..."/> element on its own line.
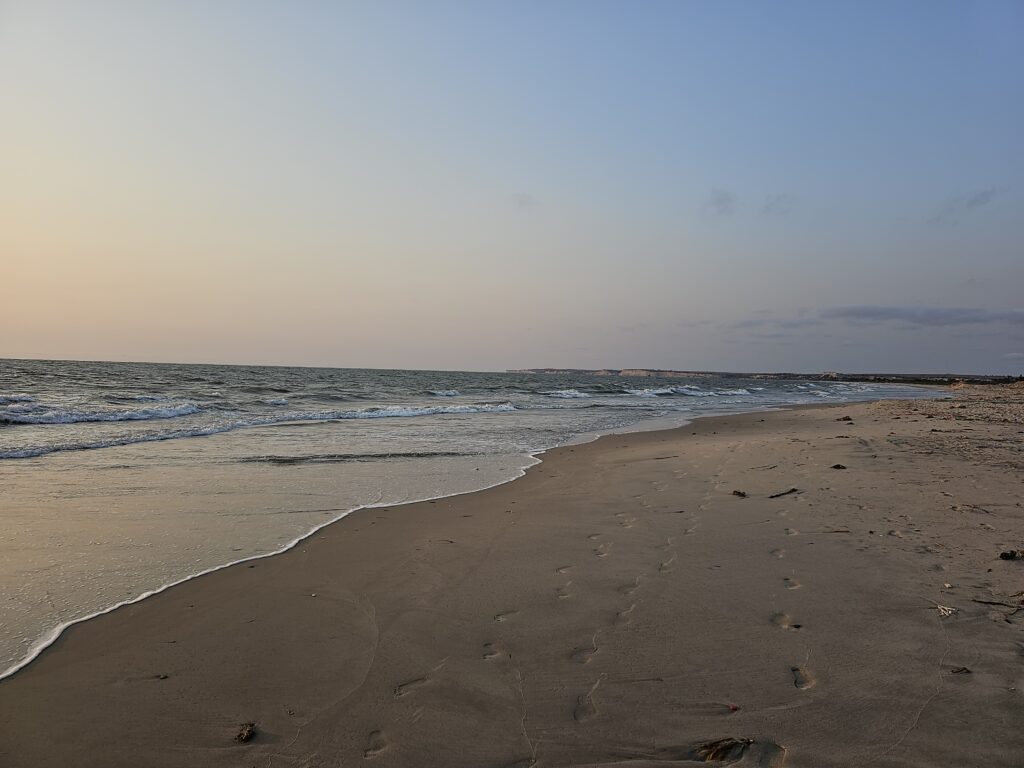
<point x="619" y="605"/>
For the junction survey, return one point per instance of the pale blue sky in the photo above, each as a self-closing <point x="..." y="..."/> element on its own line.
<point x="740" y="186"/>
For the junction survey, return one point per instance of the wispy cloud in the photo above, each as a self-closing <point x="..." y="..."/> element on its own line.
<point x="962" y="205"/>
<point x="722" y="202"/>
<point x="924" y="316"/>
<point x="1014" y="356"/>
<point x="777" y="205"/>
<point x="971" y="320"/>
<point x="776" y="322"/>
<point x="524" y="201"/>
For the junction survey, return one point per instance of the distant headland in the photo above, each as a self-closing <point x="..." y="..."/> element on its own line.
<point x="880" y="378"/>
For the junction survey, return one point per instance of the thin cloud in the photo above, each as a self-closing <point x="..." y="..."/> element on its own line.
<point x="777" y="205"/>
<point x="1014" y="356"/>
<point x="924" y="316"/>
<point x="962" y="205"/>
<point x="524" y="201"/>
<point x="969" y="318"/>
<point x="763" y="322"/>
<point x="721" y="203"/>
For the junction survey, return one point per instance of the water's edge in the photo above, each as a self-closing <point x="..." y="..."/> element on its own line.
<point x="530" y="460"/>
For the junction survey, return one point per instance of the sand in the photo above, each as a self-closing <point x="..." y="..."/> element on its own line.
<point x="619" y="605"/>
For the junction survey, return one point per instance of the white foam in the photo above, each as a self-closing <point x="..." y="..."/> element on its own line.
<point x="391" y="411"/>
<point x="44" y="415"/>
<point x="651" y="392"/>
<point x="568" y="394"/>
<point x="18" y="398"/>
<point x="445" y="392"/>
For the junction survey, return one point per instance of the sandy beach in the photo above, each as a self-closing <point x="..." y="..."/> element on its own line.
<point x="812" y="587"/>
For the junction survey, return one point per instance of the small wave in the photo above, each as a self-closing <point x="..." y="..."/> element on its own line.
<point x="445" y="392"/>
<point x="567" y="393"/>
<point x="340" y="458"/>
<point x="150" y="398"/>
<point x="44" y="415"/>
<point x="276" y="401"/>
<point x="651" y="392"/>
<point x="726" y="392"/>
<point x="393" y="411"/>
<point x="19" y="398"/>
<point x="685" y="389"/>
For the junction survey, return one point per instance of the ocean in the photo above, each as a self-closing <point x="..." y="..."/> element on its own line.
<point x="119" y="479"/>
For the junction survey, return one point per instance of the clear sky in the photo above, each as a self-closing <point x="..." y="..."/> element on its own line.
<point x="702" y="185"/>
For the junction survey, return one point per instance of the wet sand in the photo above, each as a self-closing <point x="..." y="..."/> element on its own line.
<point x="621" y="604"/>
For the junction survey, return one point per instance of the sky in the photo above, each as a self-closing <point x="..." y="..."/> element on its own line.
<point x="743" y="186"/>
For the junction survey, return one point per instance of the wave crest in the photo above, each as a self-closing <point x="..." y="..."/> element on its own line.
<point x="46" y="415"/>
<point x="567" y="394"/>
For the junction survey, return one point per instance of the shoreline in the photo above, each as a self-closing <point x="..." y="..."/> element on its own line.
<point x="385" y="611"/>
<point x="51" y="637"/>
<point x="54" y="634"/>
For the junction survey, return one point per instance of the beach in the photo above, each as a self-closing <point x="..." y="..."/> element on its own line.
<point x="818" y="586"/>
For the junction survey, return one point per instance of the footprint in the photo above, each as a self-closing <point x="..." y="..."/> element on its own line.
<point x="629" y="589"/>
<point x="783" y="621"/>
<point x="564" y="568"/>
<point x="603" y="549"/>
<point x="502" y="617"/>
<point x="408" y="687"/>
<point x="624" y="617"/>
<point x="792" y="532"/>
<point x="493" y="651"/>
<point x="802" y="679"/>
<point x="778" y="553"/>
<point x="563" y="591"/>
<point x="582" y="654"/>
<point x="667" y="544"/>
<point x="586" y="709"/>
<point x="375" y="744"/>
<point x="594" y="536"/>
<point x="791" y="583"/>
<point x="666" y="566"/>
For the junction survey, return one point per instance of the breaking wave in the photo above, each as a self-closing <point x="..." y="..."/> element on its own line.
<point x="567" y="394"/>
<point x="392" y="411"/>
<point x="41" y="414"/>
<point x="5" y="399"/>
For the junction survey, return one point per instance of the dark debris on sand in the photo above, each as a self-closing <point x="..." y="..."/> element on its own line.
<point x="721" y="749"/>
<point x="246" y="732"/>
